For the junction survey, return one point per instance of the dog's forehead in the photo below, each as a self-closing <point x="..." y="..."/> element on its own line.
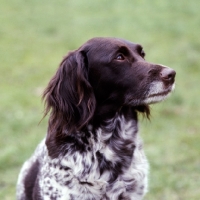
<point x="110" y="43"/>
<point x="131" y="45"/>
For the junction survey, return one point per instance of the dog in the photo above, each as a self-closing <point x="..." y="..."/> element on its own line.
<point x="92" y="149"/>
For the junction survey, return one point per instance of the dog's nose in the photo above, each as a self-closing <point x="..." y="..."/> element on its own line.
<point x="168" y="75"/>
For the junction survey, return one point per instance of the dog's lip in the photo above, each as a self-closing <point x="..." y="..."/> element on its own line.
<point x="160" y="94"/>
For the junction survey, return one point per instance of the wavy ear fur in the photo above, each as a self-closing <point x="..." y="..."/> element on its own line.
<point x="69" y="96"/>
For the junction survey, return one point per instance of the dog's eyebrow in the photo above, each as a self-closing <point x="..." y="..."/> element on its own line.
<point x="123" y="49"/>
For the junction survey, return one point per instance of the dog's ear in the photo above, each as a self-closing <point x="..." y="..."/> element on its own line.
<point x="69" y="96"/>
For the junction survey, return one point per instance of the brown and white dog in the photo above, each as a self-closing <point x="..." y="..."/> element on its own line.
<point x="92" y="149"/>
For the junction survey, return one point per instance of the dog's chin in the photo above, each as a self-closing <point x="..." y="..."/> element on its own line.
<point x="155" y="98"/>
<point x="158" y="96"/>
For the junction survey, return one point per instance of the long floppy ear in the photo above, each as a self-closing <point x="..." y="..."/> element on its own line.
<point x="69" y="96"/>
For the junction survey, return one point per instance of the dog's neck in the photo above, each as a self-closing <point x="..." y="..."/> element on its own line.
<point x="121" y="124"/>
<point x="117" y="138"/>
<point x="110" y="111"/>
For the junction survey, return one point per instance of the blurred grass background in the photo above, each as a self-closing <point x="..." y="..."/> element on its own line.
<point x="35" y="35"/>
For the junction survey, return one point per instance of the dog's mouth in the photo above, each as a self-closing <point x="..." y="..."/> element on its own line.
<point x="165" y="93"/>
<point x="158" y="95"/>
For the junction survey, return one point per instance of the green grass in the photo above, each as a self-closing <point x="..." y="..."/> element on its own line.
<point x="35" y="35"/>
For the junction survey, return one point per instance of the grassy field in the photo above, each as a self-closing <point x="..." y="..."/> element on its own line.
<point x="35" y="35"/>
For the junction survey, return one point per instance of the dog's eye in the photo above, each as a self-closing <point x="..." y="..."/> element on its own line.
<point x="142" y="53"/>
<point x="119" y="57"/>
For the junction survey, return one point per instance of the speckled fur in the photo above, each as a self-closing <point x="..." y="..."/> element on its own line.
<point x="77" y="176"/>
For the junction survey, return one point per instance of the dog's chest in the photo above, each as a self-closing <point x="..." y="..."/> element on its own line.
<point x="112" y="164"/>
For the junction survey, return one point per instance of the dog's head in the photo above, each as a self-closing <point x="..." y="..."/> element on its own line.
<point x="106" y="73"/>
